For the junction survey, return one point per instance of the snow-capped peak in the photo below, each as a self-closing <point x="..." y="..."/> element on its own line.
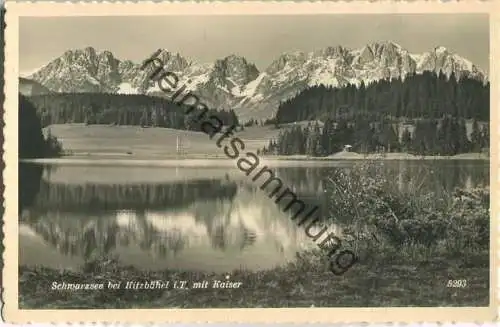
<point x="440" y="50"/>
<point x="234" y="82"/>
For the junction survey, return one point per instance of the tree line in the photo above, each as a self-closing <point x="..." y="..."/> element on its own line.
<point x="119" y="109"/>
<point x="32" y="143"/>
<point x="445" y="136"/>
<point x="429" y="95"/>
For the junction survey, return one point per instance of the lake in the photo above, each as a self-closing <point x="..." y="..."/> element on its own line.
<point x="210" y="219"/>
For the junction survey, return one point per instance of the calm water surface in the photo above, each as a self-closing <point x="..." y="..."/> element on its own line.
<point x="212" y="219"/>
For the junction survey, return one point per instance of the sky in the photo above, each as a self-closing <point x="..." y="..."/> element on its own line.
<point x="259" y="38"/>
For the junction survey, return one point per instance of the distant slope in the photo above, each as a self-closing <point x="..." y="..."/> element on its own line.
<point x="28" y="87"/>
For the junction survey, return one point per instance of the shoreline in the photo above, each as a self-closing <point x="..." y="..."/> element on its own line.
<point x="321" y="288"/>
<point x="223" y="161"/>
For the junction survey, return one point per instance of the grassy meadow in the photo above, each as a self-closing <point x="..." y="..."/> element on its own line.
<point x="120" y="143"/>
<point x="139" y="142"/>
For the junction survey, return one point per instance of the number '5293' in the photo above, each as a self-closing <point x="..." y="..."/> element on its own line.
<point x="457" y="283"/>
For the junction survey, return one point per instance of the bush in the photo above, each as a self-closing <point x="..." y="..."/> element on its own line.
<point x="364" y="201"/>
<point x="469" y="221"/>
<point x="52" y="146"/>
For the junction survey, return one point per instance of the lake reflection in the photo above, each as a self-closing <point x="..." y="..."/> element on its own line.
<point x="212" y="219"/>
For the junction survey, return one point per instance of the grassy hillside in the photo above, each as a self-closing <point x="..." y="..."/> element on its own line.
<point x="139" y="142"/>
<point x="136" y="141"/>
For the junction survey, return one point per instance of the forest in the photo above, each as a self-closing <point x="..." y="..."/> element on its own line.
<point x="446" y="136"/>
<point x="425" y="114"/>
<point x="428" y="95"/>
<point x="32" y="143"/>
<point x="119" y="109"/>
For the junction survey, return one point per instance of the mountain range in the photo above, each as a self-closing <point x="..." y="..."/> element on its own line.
<point x="234" y="82"/>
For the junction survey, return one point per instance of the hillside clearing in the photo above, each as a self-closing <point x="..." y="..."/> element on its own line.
<point x="115" y="143"/>
<point x="135" y="141"/>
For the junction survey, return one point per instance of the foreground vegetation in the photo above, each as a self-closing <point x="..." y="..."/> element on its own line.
<point x="403" y="215"/>
<point x="410" y="243"/>
<point x="304" y="283"/>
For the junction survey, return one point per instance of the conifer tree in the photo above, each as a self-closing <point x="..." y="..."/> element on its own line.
<point x="418" y="141"/>
<point x="406" y="140"/>
<point x="464" y="145"/>
<point x="476" y="137"/>
<point x="485" y="136"/>
<point x="426" y="95"/>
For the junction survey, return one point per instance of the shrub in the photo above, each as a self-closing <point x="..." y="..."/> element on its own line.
<point x="364" y="201"/>
<point x="469" y="221"/>
<point x="52" y="146"/>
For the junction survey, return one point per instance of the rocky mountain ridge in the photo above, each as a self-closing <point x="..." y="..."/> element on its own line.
<point x="233" y="82"/>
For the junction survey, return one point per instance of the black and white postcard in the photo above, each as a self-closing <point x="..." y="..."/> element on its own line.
<point x="251" y="162"/>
